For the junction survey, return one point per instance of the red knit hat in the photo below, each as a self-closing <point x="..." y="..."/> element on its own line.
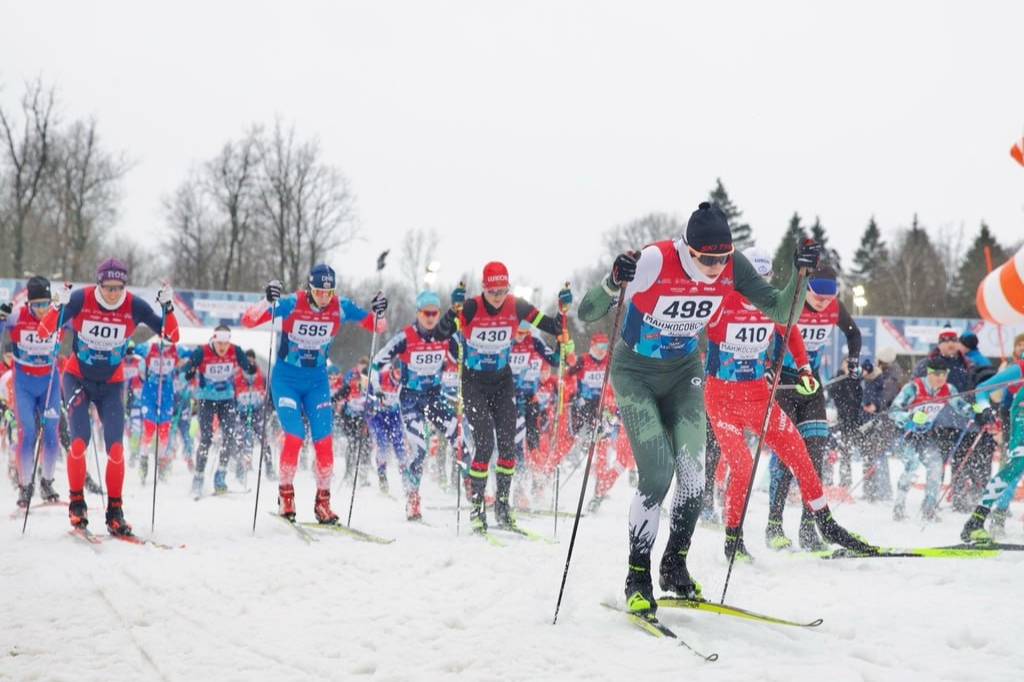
<point x="947" y="334"/>
<point x="495" y="275"/>
<point x="598" y="337"/>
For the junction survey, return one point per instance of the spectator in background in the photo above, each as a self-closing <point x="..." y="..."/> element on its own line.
<point x="881" y="386"/>
<point x="949" y="351"/>
<point x="847" y="394"/>
<point x="981" y="367"/>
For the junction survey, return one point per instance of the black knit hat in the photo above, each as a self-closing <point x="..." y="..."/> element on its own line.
<point x="708" y="230"/>
<point x="38" y="288"/>
<point x="937" y="363"/>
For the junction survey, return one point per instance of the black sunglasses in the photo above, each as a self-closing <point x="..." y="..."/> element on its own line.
<point x="708" y="260"/>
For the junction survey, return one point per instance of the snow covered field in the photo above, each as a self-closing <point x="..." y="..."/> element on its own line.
<point x="434" y="605"/>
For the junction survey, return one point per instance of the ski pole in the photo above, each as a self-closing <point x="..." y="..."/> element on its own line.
<point x="777" y="371"/>
<point x="263" y="425"/>
<point x="363" y="435"/>
<point x="561" y="389"/>
<point x="960" y="394"/>
<point x="460" y="439"/>
<point x="100" y="475"/>
<point x="947" y="492"/>
<point x="590" y="457"/>
<point x="46" y="407"/>
<point x="159" y="405"/>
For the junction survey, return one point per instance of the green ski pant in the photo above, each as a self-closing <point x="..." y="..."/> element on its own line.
<point x="1009" y="474"/>
<point x="661" y="404"/>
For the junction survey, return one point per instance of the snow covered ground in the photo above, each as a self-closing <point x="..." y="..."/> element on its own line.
<point x="435" y="605"/>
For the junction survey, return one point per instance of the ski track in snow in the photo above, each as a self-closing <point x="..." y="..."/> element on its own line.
<point x="433" y="605"/>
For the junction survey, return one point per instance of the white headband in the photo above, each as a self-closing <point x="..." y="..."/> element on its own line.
<point x="222" y="336"/>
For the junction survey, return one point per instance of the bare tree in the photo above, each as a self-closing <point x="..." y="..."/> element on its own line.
<point x="82" y="193"/>
<point x="230" y="181"/>
<point x="196" y="243"/>
<point x="307" y="207"/>
<point x="145" y="266"/>
<point x="27" y="154"/>
<point x="418" y="249"/>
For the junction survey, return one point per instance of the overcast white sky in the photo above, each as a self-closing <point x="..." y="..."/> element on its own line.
<point x="522" y="130"/>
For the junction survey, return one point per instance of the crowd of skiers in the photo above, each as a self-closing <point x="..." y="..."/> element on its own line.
<point x="704" y="358"/>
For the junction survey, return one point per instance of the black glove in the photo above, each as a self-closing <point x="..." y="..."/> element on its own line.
<point x="853" y="369"/>
<point x="379" y="303"/>
<point x="807" y="255"/>
<point x="984" y="417"/>
<point x="273" y="290"/>
<point x="769" y="374"/>
<point x="623" y="269"/>
<point x="190" y="374"/>
<point x="5" y="310"/>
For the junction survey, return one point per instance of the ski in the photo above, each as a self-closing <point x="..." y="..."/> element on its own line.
<point x="1004" y="546"/>
<point x="85" y="534"/>
<point x="339" y="528"/>
<point x="19" y="512"/>
<point x="303" y="534"/>
<point x="970" y="552"/>
<point x="136" y="540"/>
<point x="491" y="540"/>
<point x="549" y="512"/>
<point x="519" y="530"/>
<point x="727" y="610"/>
<point x="652" y="626"/>
<point x="226" y="493"/>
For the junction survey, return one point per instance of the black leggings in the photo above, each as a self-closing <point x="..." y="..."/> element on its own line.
<point x="225" y="412"/>
<point x="490" y="409"/>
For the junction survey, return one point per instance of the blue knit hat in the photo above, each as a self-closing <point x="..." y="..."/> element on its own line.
<point x="427" y="298"/>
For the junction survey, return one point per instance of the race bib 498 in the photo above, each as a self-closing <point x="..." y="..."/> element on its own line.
<point x="682" y="315"/>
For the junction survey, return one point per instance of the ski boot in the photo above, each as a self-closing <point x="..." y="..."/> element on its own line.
<point x="899" y="513"/>
<point x="24" y="495"/>
<point x="640" y="592"/>
<point x="808" y="534"/>
<point x="974" y="530"/>
<point x="322" y="508"/>
<point x="382" y="481"/>
<point x="92" y="486"/>
<point x="46" y="490"/>
<point x="674" y="577"/>
<point x="477" y="513"/>
<point x="595" y="504"/>
<point x="836" y="534"/>
<point x="286" y="501"/>
<point x="412" y="506"/>
<point x="116" y="525"/>
<point x="998" y="525"/>
<point x="774" y="538"/>
<point x="197" y="486"/>
<point x="220" y="485"/>
<point x="77" y="511"/>
<point x="734" y="544"/>
<point x="164" y="470"/>
<point x="504" y="515"/>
